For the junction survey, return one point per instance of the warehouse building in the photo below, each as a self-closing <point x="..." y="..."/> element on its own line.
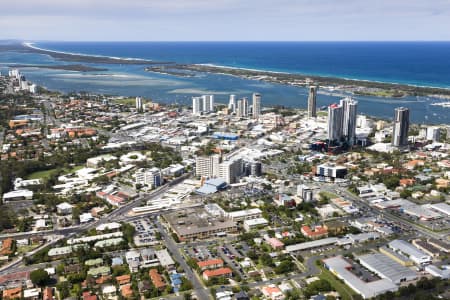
<point x="342" y="269"/>
<point x="410" y="251"/>
<point x="385" y="267"/>
<point x="311" y="245"/>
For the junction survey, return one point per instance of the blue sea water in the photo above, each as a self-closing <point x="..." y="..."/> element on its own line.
<point x="425" y="64"/>
<point x="418" y="63"/>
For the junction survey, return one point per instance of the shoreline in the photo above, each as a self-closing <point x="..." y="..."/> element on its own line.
<point x="353" y="86"/>
<point x="86" y="58"/>
<point x="76" y="67"/>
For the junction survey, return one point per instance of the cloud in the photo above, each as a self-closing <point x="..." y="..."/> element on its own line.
<point x="225" y="20"/>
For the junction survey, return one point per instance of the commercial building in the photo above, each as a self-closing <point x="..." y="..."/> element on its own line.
<point x="401" y="127"/>
<point x="311" y="245"/>
<point x="251" y="224"/>
<point x="248" y="214"/>
<point x="331" y="170"/>
<point x="312" y="102"/>
<point x="387" y="268"/>
<point x="305" y="192"/>
<point x="342" y="269"/>
<point x="253" y="168"/>
<point x="443" y="273"/>
<point x="149" y="177"/>
<point x="198" y="223"/>
<point x="410" y="251"/>
<point x="256" y="105"/>
<point x="230" y="170"/>
<point x="18" y="195"/>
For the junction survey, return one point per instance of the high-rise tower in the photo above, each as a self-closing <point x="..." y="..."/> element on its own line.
<point x="256" y="105"/>
<point x="335" y="120"/>
<point x="401" y="127"/>
<point x="312" y="98"/>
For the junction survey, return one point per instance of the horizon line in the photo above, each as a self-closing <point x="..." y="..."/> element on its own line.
<point x="231" y="41"/>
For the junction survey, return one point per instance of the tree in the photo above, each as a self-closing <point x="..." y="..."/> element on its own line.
<point x="64" y="289"/>
<point x="39" y="277"/>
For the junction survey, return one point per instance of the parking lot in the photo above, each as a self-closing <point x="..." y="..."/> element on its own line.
<point x="145" y="232"/>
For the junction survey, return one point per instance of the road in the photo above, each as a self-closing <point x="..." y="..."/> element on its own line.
<point x="201" y="292"/>
<point x="386" y="215"/>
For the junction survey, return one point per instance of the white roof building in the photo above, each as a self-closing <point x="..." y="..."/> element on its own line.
<point x="341" y="268"/>
<point x="18" y="195"/>
<point x="410" y="251"/>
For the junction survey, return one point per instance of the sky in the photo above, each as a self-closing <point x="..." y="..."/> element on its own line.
<point x="225" y="20"/>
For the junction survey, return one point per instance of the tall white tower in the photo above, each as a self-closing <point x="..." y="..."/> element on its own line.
<point x="256" y="105"/>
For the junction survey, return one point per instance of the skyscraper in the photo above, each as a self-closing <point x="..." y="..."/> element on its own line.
<point x="197" y="105"/>
<point x="139" y="106"/>
<point x="205" y="101"/>
<point x="232" y="103"/>
<point x="401" y="127"/>
<point x="349" y="107"/>
<point x="242" y="107"/>
<point x="312" y="98"/>
<point x="256" y="105"/>
<point x="245" y="107"/>
<point x="335" y="121"/>
<point x="208" y="103"/>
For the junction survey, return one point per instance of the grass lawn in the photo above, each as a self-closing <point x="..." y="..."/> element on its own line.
<point x="48" y="173"/>
<point x="329" y="195"/>
<point x="343" y="290"/>
<point x="126" y="101"/>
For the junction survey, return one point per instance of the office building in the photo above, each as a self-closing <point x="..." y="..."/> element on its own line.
<point x="139" y="105"/>
<point x="312" y="99"/>
<point x="253" y="168"/>
<point x="256" y="105"/>
<point x="349" y="109"/>
<point x="207" y="166"/>
<point x="331" y="170"/>
<point x="305" y="192"/>
<point x="149" y="177"/>
<point x="335" y="121"/>
<point x="401" y="127"/>
<point x="433" y="133"/>
<point x="232" y="103"/>
<point x="197" y="105"/>
<point x="230" y="170"/>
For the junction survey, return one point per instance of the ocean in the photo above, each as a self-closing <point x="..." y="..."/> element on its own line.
<point x="416" y="63"/>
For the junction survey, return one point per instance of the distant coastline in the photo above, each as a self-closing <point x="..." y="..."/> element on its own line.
<point x="347" y="85"/>
<point x="74" y="67"/>
<point x="354" y="86"/>
<point x="73" y="57"/>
